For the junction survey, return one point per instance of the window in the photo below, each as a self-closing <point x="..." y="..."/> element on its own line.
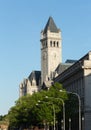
<point x="46" y="44"/>
<point x="51" y="43"/>
<point x="54" y="44"/>
<point x="57" y="44"/>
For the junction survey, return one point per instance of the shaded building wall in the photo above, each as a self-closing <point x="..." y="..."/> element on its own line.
<point x="87" y="102"/>
<point x="77" y="78"/>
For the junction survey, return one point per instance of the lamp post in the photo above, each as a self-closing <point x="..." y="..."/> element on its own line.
<point x="82" y="123"/>
<point x="62" y="124"/>
<point x="79" y="100"/>
<point x="69" y="123"/>
<point x="63" y="109"/>
<point x="53" y="110"/>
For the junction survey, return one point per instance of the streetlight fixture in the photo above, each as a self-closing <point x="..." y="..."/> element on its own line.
<point x="53" y="110"/>
<point x="79" y="100"/>
<point x="63" y="109"/>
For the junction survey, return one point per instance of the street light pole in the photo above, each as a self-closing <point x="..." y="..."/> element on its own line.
<point x="79" y="100"/>
<point x="54" y="115"/>
<point x="69" y="123"/>
<point x="63" y="109"/>
<point x="82" y="123"/>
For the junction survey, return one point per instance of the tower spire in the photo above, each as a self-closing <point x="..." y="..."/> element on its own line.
<point x="51" y="26"/>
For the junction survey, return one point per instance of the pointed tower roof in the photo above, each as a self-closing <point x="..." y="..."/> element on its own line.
<point x="51" y="26"/>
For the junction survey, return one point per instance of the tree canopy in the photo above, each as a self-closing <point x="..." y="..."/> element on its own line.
<point x="29" y="112"/>
<point x="37" y="109"/>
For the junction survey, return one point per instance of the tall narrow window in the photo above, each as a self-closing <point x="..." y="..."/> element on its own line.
<point x="50" y="43"/>
<point x="46" y="43"/>
<point x="54" y="43"/>
<point x="57" y="44"/>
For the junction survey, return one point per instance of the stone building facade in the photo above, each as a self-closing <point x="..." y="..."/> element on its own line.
<point x="74" y="75"/>
<point x="77" y="79"/>
<point x="51" y="61"/>
<point x="31" y="84"/>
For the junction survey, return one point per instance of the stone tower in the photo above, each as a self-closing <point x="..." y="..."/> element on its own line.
<point x="51" y="50"/>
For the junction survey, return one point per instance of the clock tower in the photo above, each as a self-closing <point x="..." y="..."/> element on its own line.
<point x="51" y="50"/>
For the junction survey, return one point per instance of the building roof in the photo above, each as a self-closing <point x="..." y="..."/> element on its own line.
<point x="35" y="75"/>
<point x="70" y="61"/>
<point x="62" y="66"/>
<point x="51" y="26"/>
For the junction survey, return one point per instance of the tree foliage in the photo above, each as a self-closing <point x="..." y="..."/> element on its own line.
<point x="27" y="112"/>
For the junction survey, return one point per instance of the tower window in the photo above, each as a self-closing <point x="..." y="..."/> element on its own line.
<point x="51" y="43"/>
<point x="43" y="44"/>
<point x="57" y="44"/>
<point x="54" y="44"/>
<point x="46" y="43"/>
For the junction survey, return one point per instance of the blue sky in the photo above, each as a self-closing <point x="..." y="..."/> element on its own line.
<point x="21" y="22"/>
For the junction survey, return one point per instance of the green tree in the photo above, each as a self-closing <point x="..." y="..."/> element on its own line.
<point x="25" y="113"/>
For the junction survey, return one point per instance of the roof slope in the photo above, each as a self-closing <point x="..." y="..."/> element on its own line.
<point x="62" y="66"/>
<point x="35" y="75"/>
<point x="51" y="26"/>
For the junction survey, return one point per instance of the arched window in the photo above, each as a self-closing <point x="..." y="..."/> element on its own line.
<point x="57" y="44"/>
<point x="50" y="43"/>
<point x="54" y="44"/>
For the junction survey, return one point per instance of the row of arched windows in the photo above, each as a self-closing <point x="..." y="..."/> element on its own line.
<point x="52" y="44"/>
